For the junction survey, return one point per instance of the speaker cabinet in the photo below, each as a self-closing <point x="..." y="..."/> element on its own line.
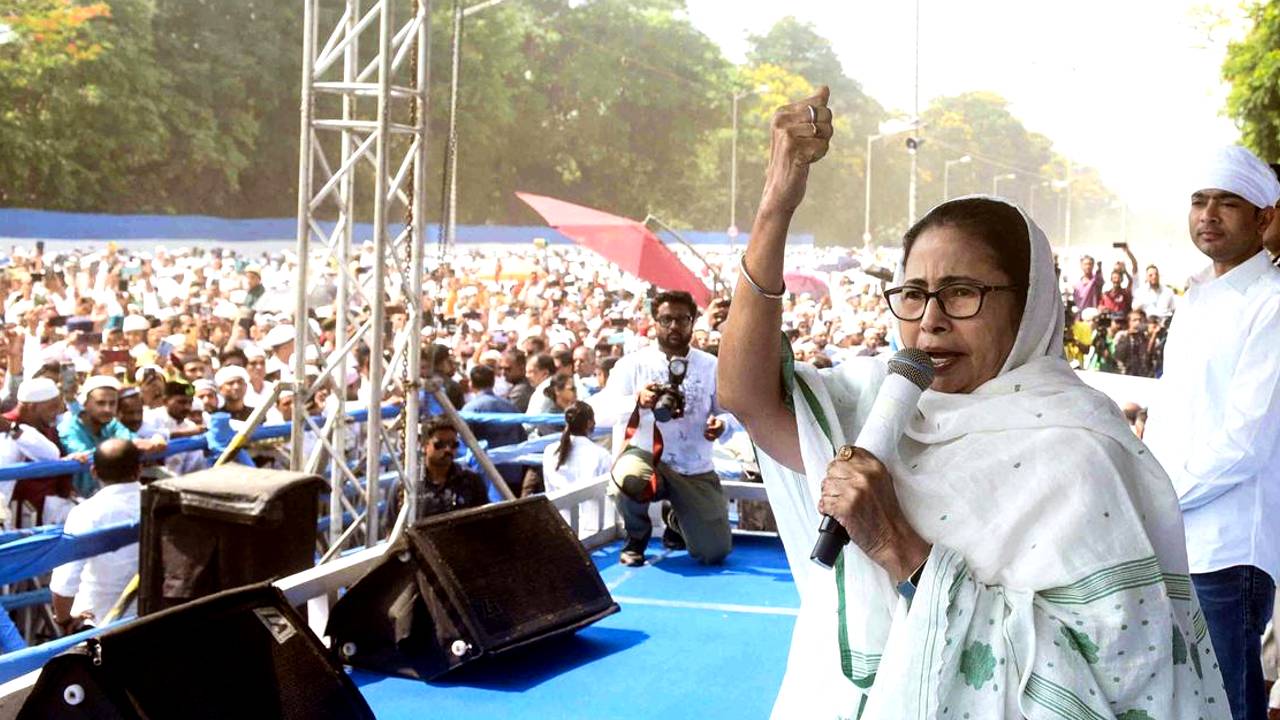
<point x="468" y="584"/>
<point x="244" y="653"/>
<point x="222" y="528"/>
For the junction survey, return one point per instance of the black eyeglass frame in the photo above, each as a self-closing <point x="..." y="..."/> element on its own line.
<point x="669" y="321"/>
<point x="936" y="296"/>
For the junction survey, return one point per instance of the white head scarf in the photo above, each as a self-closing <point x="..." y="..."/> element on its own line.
<point x="1236" y="170"/>
<point x="1040" y="332"/>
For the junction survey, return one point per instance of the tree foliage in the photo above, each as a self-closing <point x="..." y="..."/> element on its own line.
<point x="190" y="106"/>
<point x="1252" y="66"/>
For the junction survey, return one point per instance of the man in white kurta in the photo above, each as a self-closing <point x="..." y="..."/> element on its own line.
<point x="1215" y="424"/>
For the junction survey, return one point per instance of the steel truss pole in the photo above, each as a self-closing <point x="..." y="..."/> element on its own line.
<point x="365" y="112"/>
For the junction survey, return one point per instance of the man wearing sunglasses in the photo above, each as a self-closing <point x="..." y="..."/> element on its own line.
<point x="449" y="486"/>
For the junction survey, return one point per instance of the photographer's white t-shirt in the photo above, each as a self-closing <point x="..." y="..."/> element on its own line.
<point x="684" y="447"/>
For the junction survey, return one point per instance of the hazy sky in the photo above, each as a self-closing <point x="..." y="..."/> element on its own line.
<point x="1127" y="86"/>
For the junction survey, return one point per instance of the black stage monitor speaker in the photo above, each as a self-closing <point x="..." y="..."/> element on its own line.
<point x="468" y="584"/>
<point x="244" y="653"/>
<point x="222" y="528"/>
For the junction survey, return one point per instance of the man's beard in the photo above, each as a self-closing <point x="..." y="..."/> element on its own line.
<point x="675" y="344"/>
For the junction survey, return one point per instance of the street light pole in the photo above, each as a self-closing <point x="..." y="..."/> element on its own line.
<point x="733" y="173"/>
<point x="732" y="231"/>
<point x="995" y="182"/>
<point x="866" y="208"/>
<point x="913" y="185"/>
<point x="1031" y="208"/>
<point x="946" y="174"/>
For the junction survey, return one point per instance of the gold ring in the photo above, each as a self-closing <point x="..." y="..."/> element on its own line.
<point x="845" y="453"/>
<point x="815" y="129"/>
<point x="813" y="114"/>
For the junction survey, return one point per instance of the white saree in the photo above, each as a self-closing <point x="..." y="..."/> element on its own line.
<point x="1057" y="586"/>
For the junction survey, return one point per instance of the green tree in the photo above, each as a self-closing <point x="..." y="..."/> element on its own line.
<point x="1252" y="66"/>
<point x="39" y="41"/>
<point x="834" y="204"/>
<point x="980" y="125"/>
<point x="606" y="104"/>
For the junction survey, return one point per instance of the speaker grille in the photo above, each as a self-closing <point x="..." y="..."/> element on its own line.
<point x="519" y="568"/>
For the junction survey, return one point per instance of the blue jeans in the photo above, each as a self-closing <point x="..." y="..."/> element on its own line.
<point x="1237" y="604"/>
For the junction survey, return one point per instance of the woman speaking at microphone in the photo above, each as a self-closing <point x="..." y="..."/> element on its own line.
<point x="1020" y="554"/>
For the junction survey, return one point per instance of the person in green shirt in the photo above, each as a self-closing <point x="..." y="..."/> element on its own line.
<point x="81" y="431"/>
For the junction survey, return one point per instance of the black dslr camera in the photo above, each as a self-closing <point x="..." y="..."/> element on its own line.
<point x="668" y="404"/>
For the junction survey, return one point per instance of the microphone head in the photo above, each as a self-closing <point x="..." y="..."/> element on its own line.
<point x="913" y="365"/>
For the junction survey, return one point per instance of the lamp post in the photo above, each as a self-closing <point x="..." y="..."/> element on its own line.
<point x="449" y="223"/>
<point x="732" y="230"/>
<point x="1031" y="207"/>
<point x="866" y="207"/>
<point x="946" y="174"/>
<point x="1064" y="224"/>
<point x="995" y="181"/>
<point x="1123" y="207"/>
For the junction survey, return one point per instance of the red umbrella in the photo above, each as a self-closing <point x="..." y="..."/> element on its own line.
<point x="802" y="282"/>
<point x="626" y="243"/>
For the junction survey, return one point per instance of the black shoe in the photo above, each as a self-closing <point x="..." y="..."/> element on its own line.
<point x="632" y="554"/>
<point x="671" y="538"/>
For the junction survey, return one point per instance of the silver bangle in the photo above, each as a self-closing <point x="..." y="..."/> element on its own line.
<point x="742" y="265"/>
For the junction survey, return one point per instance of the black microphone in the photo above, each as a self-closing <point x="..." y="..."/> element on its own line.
<point x="910" y="372"/>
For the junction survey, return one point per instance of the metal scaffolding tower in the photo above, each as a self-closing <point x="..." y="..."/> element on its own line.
<point x="362" y="154"/>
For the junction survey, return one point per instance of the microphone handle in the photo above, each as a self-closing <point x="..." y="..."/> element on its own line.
<point x="831" y="540"/>
<point x="894" y="404"/>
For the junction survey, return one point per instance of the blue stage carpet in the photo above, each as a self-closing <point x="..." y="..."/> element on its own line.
<point x="690" y="642"/>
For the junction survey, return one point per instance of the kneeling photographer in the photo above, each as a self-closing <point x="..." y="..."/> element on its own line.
<point x="664" y="397"/>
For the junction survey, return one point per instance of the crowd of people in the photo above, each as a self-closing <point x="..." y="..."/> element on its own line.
<point x="111" y="354"/>
<point x="145" y="345"/>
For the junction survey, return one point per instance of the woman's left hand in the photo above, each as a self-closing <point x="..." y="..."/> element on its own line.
<point x="858" y="492"/>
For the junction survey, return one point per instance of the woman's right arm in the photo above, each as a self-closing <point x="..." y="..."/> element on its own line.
<point x="749" y="365"/>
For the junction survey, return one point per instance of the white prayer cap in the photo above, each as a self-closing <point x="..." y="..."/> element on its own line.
<point x="17" y="310"/>
<point x="98" y="382"/>
<point x="54" y="353"/>
<point x="136" y="323"/>
<point x="253" y="352"/>
<point x="36" y="390"/>
<point x="225" y="310"/>
<point x="229" y="373"/>
<point x="279" y="335"/>
<point x="1236" y="170"/>
<point x="142" y="371"/>
<point x="202" y="384"/>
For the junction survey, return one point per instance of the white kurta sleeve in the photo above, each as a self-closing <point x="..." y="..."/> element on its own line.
<point x="1250" y="428"/>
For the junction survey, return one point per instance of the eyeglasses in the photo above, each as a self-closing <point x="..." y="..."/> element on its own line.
<point x="442" y="444"/>
<point x="667" y="321"/>
<point x="957" y="301"/>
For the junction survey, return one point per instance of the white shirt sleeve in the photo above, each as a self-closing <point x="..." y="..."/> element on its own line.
<point x="34" y="445"/>
<point x="614" y="403"/>
<point x="1250" y="427"/>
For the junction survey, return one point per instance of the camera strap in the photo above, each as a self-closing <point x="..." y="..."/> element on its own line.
<point x="633" y="425"/>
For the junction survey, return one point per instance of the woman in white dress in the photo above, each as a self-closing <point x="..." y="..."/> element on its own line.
<point x="574" y="458"/>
